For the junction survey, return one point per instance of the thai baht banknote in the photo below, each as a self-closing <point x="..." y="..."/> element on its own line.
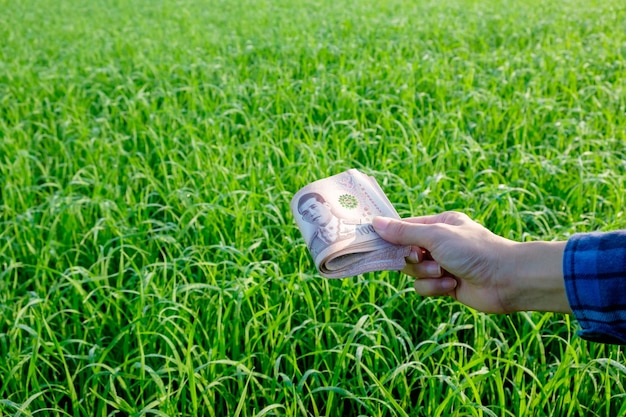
<point x="335" y="216"/>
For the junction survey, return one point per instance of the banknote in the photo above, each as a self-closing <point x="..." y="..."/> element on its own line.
<point x="335" y="216"/>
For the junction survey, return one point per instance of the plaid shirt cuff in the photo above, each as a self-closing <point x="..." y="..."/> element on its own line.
<point x="594" y="268"/>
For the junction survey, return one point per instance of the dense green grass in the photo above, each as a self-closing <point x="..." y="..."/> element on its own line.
<point x="148" y="151"/>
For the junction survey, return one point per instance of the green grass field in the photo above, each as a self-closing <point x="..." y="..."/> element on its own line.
<point x="149" y="263"/>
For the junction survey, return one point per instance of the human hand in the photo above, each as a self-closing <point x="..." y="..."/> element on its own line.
<point x="464" y="260"/>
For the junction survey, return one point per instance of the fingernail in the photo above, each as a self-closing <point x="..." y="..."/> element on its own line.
<point x="448" y="284"/>
<point x="413" y="257"/>
<point x="380" y="223"/>
<point x="433" y="269"/>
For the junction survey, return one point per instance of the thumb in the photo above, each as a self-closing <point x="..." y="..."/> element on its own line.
<point x="402" y="232"/>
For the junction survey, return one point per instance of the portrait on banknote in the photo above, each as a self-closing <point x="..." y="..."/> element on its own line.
<point x="324" y="227"/>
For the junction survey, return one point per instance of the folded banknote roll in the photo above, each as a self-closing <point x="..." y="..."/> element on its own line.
<point x="335" y="216"/>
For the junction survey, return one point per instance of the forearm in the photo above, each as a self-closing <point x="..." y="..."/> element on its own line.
<point x="536" y="280"/>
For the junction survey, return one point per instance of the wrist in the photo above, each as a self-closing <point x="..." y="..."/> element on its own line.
<point x="536" y="280"/>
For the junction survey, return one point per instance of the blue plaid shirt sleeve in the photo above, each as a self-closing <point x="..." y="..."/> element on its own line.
<point x="594" y="268"/>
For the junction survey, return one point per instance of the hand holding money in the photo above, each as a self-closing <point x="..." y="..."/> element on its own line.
<point x="335" y="217"/>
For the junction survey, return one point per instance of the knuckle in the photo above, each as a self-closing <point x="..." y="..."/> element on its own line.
<point x="401" y="229"/>
<point x="455" y="217"/>
<point x="404" y="232"/>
